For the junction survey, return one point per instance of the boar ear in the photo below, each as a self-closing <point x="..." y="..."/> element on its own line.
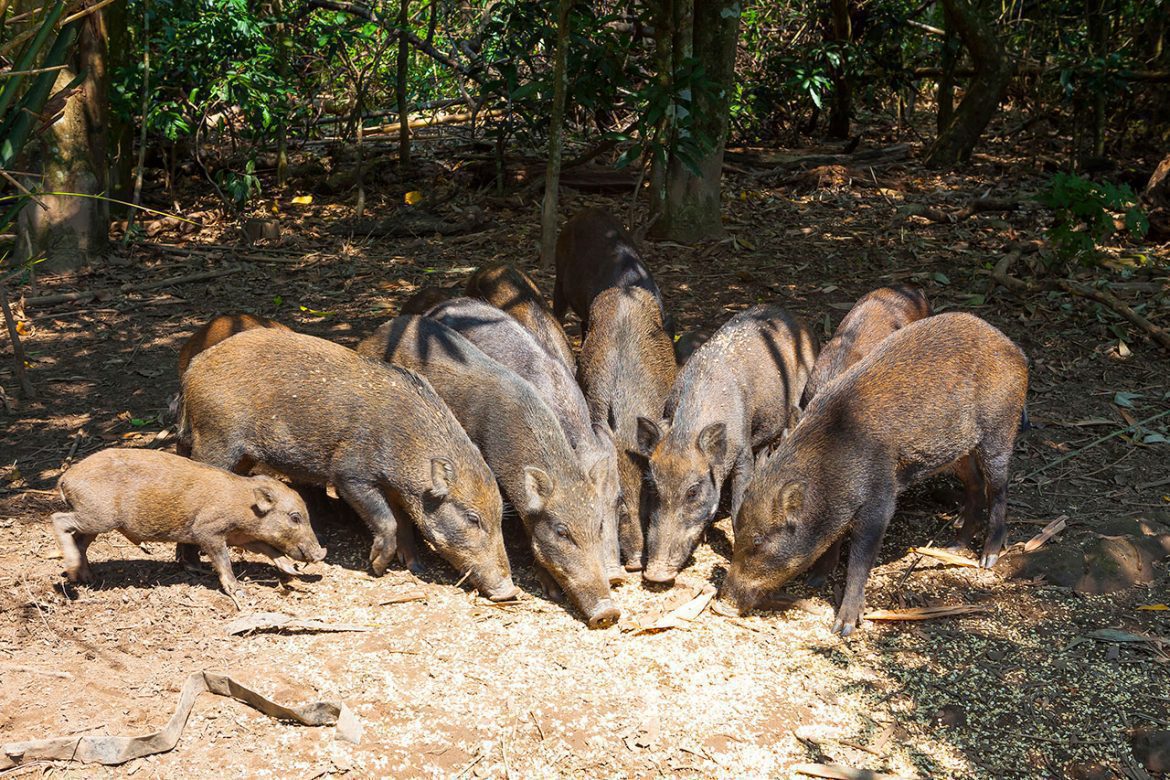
<point x="538" y="488"/>
<point x="713" y="441"/>
<point x="791" y="499"/>
<point x="442" y="477"/>
<point x="649" y="434"/>
<point x="265" y="499"/>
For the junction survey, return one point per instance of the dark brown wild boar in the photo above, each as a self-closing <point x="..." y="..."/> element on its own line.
<point x="511" y="290"/>
<point x="424" y="298"/>
<point x="876" y="315"/>
<point x="505" y="340"/>
<point x="733" y="397"/>
<point x="322" y="414"/>
<point x="524" y="444"/>
<point x="152" y="496"/>
<point x="938" y="390"/>
<point x="627" y="368"/>
<point x="219" y="328"/>
<point x="594" y="253"/>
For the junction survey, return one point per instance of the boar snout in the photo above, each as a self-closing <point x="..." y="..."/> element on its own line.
<point x="660" y="574"/>
<point x="736" y="598"/>
<point x="604" y="614"/>
<point x="504" y="590"/>
<point x="310" y="553"/>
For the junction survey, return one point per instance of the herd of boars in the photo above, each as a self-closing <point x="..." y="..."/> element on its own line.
<point x="615" y="461"/>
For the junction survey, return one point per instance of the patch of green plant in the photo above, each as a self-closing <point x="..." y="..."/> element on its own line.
<point x="1085" y="212"/>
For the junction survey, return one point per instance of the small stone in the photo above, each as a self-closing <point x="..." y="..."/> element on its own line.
<point x="950" y="715"/>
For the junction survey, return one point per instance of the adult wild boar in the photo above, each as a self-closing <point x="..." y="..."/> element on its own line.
<point x="733" y="397"/>
<point x="524" y="444"/>
<point x="322" y="414"/>
<point x="627" y="369"/>
<point x="941" y="389"/>
<point x="505" y="340"/>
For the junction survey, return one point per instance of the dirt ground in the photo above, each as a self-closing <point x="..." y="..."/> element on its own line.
<point x="453" y="686"/>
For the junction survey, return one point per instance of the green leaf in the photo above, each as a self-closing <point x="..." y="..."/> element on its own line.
<point x="940" y="277"/>
<point x="1125" y="400"/>
<point x="138" y="422"/>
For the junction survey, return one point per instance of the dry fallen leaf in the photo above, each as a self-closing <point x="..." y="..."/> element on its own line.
<point x="682" y="616"/>
<point x="302" y="200"/>
<point x="1153" y="608"/>
<point x="413" y="198"/>
<point x="924" y="613"/>
<point x="946" y="556"/>
<point x="1049" y="531"/>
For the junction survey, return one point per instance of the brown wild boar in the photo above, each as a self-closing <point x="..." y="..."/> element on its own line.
<point x="511" y="290"/>
<point x="876" y="315"/>
<point x="219" y="328"/>
<point x="732" y="398"/>
<point x="594" y="253"/>
<point x="322" y="414"/>
<point x="502" y="338"/>
<point x="527" y="449"/>
<point x="627" y="369"/>
<point x="424" y="298"/>
<point x="152" y="496"/>
<point x="938" y="390"/>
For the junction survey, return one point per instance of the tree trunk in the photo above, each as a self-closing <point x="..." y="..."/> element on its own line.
<point x="1098" y="17"/>
<point x="841" y="110"/>
<point x="400" y="86"/>
<point x="993" y="73"/>
<point x="946" y="81"/>
<point x="71" y="231"/>
<point x="552" y="176"/>
<point x="689" y="209"/>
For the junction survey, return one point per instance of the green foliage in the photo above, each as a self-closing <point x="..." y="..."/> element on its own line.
<point x="1084" y="211"/>
<point x="239" y="188"/>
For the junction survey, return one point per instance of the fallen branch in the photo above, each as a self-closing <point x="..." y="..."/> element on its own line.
<point x="112" y="750"/>
<point x="973" y="207"/>
<point x="420" y="225"/>
<point x="44" y="300"/>
<point x="923" y="613"/>
<point x="870" y="157"/>
<point x="276" y="621"/>
<point x="35" y="670"/>
<point x="1158" y="334"/>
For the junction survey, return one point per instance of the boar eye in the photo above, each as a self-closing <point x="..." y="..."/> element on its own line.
<point x="693" y="491"/>
<point x="474" y="519"/>
<point x="562" y="530"/>
<point x="296" y="517"/>
<point x="758" y="540"/>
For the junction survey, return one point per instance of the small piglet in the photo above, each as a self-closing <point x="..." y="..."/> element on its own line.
<point x="945" y="388"/>
<point x="152" y="496"/>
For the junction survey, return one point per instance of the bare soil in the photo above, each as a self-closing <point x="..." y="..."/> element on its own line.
<point x="455" y="686"/>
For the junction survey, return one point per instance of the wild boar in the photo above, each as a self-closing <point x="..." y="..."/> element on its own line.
<point x="876" y="315"/>
<point x="938" y="390"/>
<point x="511" y="290"/>
<point x="525" y="446"/>
<point x="627" y="369"/>
<point x="594" y="253"/>
<point x="732" y="398"/>
<point x="219" y="328"/>
<point x="152" y="496"/>
<point x="502" y="338"/>
<point x="322" y="414"/>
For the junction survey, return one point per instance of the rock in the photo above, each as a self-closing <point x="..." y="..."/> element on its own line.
<point x="1120" y="555"/>
<point x="1151" y="748"/>
<point x="951" y="715"/>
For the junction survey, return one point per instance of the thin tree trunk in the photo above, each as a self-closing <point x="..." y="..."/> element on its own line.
<point x="552" y="178"/>
<point x="993" y="73"/>
<point x="691" y="209"/>
<point x="946" y="82"/>
<point x="403" y="64"/>
<point x="842" y="106"/>
<point x="137" y="199"/>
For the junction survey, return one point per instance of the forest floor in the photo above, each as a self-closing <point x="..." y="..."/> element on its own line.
<point x="1042" y="682"/>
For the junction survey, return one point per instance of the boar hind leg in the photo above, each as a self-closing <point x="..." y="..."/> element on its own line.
<point x="868" y="529"/>
<point x="970" y="471"/>
<point x="188" y="556"/>
<point x="996" y="469"/>
<point x="407" y="546"/>
<point x="367" y="500"/>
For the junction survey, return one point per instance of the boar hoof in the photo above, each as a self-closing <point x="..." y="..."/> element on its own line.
<point x="658" y="576"/>
<point x="382" y="552"/>
<point x="845" y="626"/>
<point x="604" y="615"/>
<point x="635" y="565"/>
<point x="617" y="576"/>
<point x="987" y="561"/>
<point x="505" y="591"/>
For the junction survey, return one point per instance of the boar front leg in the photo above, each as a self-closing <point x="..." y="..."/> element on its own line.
<point x="73" y="546"/>
<point x="996" y="469"/>
<point x="740" y="477"/>
<point x="371" y="505"/>
<point x="868" y="529"/>
<point x="221" y="560"/>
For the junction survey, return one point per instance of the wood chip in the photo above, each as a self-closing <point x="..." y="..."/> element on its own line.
<point x="924" y="613"/>
<point x="682" y="616"/>
<point x="946" y="556"/>
<point x="1049" y="531"/>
